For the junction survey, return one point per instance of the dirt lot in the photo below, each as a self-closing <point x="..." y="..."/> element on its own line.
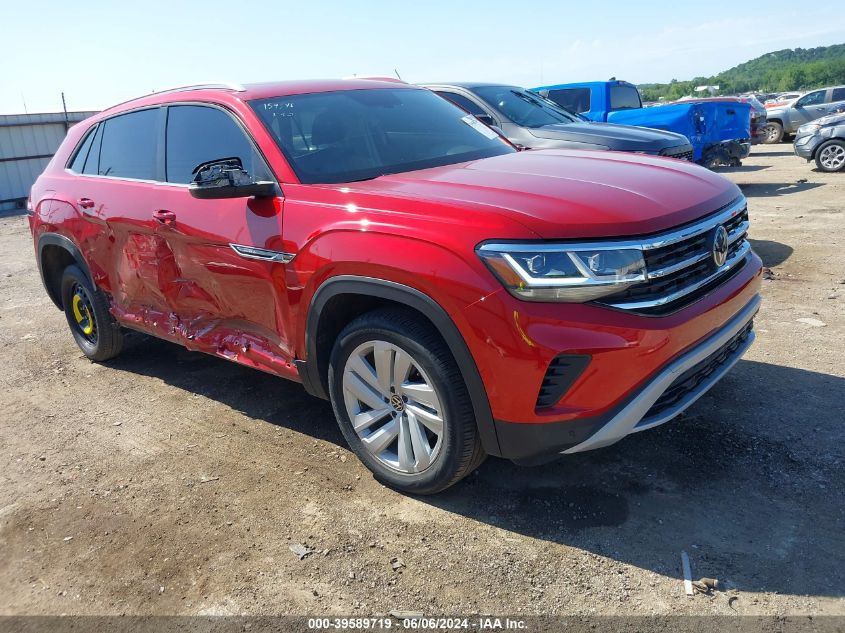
<point x="169" y="482"/>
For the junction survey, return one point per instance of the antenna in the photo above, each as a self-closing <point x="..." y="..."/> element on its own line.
<point x="397" y="75"/>
<point x="64" y="109"/>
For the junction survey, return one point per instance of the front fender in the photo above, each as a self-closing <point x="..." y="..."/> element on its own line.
<point x="439" y="289"/>
<point x="451" y="280"/>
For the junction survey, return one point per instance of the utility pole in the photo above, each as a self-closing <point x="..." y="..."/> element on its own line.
<point x="64" y="108"/>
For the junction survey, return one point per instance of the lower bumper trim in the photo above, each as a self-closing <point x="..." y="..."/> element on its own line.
<point x="634" y="415"/>
<point x="682" y="382"/>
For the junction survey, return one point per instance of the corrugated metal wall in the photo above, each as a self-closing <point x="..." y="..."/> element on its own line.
<point x="27" y="142"/>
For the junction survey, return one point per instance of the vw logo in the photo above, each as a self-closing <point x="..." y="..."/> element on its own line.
<point x="720" y="246"/>
<point x="397" y="403"/>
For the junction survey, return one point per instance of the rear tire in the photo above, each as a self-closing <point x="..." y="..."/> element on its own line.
<point x="830" y="156"/>
<point x="87" y="311"/>
<point x="392" y="376"/>
<point x="773" y="133"/>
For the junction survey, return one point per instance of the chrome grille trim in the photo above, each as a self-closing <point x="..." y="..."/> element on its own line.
<point x="733" y="236"/>
<point x="735" y="259"/>
<point x="680" y="235"/>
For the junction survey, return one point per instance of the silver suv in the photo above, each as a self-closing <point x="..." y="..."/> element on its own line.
<point x="787" y="118"/>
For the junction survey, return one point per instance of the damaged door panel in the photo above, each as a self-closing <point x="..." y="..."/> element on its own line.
<point x="115" y="197"/>
<point x="223" y="291"/>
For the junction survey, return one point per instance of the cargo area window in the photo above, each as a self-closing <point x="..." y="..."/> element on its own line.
<point x="78" y="162"/>
<point x="92" y="162"/>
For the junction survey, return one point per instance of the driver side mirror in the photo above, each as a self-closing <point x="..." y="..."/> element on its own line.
<point x="226" y="178"/>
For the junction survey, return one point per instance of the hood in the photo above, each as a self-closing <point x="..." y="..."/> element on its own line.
<point x="620" y="138"/>
<point x="831" y="119"/>
<point x="565" y="193"/>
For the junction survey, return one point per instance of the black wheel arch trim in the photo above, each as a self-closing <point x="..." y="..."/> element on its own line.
<point x="311" y="374"/>
<point x="54" y="239"/>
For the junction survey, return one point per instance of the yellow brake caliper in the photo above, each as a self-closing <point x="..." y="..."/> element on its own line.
<point x="84" y="320"/>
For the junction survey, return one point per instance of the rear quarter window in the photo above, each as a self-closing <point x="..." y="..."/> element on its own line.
<point x="78" y="162"/>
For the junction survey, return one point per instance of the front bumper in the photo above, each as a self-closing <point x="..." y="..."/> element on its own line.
<point x="663" y="396"/>
<point x="691" y="376"/>
<point x="805" y="146"/>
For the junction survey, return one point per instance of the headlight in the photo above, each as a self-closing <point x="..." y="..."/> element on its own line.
<point x="808" y="128"/>
<point x="563" y="272"/>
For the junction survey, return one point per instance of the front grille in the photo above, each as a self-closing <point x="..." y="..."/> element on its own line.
<point x="682" y="152"/>
<point x="689" y="381"/>
<point x="680" y="267"/>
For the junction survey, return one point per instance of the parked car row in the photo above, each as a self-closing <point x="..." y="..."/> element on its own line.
<point x="532" y="122"/>
<point x="452" y="296"/>
<point x="787" y="117"/>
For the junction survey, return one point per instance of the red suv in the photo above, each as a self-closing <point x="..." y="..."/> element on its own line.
<point x="451" y="296"/>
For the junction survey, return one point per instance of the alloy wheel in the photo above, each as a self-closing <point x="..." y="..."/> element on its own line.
<point x="832" y="157"/>
<point x="393" y="406"/>
<point x="772" y="134"/>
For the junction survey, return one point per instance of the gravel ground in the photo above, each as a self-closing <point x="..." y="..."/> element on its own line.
<point x="169" y="482"/>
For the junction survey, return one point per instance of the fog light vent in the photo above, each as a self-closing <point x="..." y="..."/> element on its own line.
<point x="563" y="371"/>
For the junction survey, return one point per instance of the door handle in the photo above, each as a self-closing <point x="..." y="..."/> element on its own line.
<point x="168" y="218"/>
<point x="86" y="203"/>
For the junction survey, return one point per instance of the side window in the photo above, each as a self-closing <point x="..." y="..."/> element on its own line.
<point x="78" y="162"/>
<point x="838" y="95"/>
<point x="197" y="134"/>
<point x="624" y="98"/>
<point x="92" y="162"/>
<point x="129" y="145"/>
<point x="462" y="102"/>
<point x="811" y="99"/>
<point x="572" y="99"/>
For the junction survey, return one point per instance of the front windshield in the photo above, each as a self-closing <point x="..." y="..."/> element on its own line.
<point x="349" y="135"/>
<point x="522" y="107"/>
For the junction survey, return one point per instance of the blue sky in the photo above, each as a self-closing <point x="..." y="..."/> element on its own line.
<point x="100" y="53"/>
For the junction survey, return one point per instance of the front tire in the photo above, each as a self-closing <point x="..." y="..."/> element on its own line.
<point x="830" y="156"/>
<point x="773" y="133"/>
<point x="87" y="311"/>
<point x="401" y="402"/>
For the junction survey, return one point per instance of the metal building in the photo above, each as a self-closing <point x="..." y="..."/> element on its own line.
<point x="27" y="142"/>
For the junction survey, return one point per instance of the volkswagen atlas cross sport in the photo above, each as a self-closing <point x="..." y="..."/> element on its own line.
<point x="453" y="297"/>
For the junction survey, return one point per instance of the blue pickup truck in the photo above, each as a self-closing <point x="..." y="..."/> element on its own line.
<point x="719" y="130"/>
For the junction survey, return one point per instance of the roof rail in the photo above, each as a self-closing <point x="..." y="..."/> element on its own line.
<point x="222" y="85"/>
